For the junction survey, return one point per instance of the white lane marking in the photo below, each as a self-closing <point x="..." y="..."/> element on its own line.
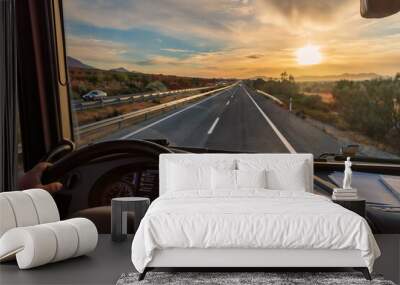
<point x="227" y="103"/>
<point x="234" y="92"/>
<point x="274" y="128"/>
<point x="213" y="126"/>
<point x="167" y="117"/>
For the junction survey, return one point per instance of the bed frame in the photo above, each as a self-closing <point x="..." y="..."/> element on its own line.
<point x="246" y="259"/>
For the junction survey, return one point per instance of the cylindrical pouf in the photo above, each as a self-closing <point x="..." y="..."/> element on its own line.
<point x="41" y="244"/>
<point x="67" y="240"/>
<point x="45" y="205"/>
<point x="23" y="208"/>
<point x="34" y="246"/>
<point x="87" y="235"/>
<point x="7" y="218"/>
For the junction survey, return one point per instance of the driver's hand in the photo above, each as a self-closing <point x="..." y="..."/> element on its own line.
<point x="32" y="179"/>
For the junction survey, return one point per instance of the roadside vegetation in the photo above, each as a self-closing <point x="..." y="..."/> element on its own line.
<point x="369" y="107"/>
<point x="113" y="83"/>
<point x="99" y="114"/>
<point x="117" y="82"/>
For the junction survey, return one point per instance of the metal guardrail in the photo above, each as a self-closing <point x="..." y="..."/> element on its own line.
<point x="121" y="118"/>
<point x="270" y="97"/>
<point x="80" y="106"/>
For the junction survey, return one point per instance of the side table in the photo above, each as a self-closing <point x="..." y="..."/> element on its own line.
<point x="119" y="210"/>
<point x="356" y="205"/>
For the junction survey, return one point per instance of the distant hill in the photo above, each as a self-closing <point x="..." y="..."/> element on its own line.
<point x="73" y="62"/>
<point x="120" y="69"/>
<point x="344" y="76"/>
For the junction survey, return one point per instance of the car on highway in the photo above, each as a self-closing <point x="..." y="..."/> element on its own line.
<point x="94" y="95"/>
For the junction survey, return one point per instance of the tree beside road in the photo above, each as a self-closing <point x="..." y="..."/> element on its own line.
<point x="368" y="107"/>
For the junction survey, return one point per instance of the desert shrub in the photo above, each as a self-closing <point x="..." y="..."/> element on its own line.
<point x="82" y="89"/>
<point x="369" y="106"/>
<point x="156" y="86"/>
<point x="93" y="79"/>
<point x="286" y="86"/>
<point x="311" y="102"/>
<point x="115" y="113"/>
<point x="156" y="101"/>
<point x="322" y="116"/>
<point x="120" y="76"/>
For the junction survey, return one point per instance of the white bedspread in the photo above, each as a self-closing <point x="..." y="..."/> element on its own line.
<point x="250" y="219"/>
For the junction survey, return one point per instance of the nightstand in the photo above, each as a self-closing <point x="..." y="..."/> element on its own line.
<point x="119" y="210"/>
<point x="356" y="205"/>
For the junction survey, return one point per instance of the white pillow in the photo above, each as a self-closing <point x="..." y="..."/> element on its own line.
<point x="282" y="174"/>
<point x="251" y="178"/>
<point x="188" y="177"/>
<point x="223" y="179"/>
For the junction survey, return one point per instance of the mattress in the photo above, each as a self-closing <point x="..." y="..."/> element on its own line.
<point x="250" y="219"/>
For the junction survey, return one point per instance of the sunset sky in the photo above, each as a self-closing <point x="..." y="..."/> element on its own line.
<point x="232" y="38"/>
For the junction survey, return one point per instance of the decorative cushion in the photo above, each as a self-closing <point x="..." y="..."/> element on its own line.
<point x="223" y="179"/>
<point x="282" y="174"/>
<point x="291" y="172"/>
<point x="200" y="164"/>
<point x="251" y="179"/>
<point x="191" y="177"/>
<point x="231" y="180"/>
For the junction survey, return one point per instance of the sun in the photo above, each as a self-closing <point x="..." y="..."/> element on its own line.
<point x="309" y="55"/>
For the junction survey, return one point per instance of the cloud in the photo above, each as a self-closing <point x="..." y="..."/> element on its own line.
<point x="146" y="62"/>
<point x="176" y="50"/>
<point x="93" y="49"/>
<point x="253" y="37"/>
<point x="187" y="18"/>
<point x="255" y="56"/>
<point x="297" y="11"/>
<point x="99" y="53"/>
<point x="158" y="60"/>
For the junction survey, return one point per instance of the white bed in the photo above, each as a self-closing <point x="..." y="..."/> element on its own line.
<point x="194" y="223"/>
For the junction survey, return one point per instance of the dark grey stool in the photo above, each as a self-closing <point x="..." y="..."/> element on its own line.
<point x="119" y="210"/>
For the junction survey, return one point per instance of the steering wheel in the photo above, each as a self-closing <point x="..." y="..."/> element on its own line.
<point x="95" y="174"/>
<point x="102" y="150"/>
<point x="61" y="149"/>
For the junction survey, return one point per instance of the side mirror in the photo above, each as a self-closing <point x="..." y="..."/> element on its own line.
<point x="379" y="8"/>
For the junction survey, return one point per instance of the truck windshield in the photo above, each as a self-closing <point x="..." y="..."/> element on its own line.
<point x="247" y="76"/>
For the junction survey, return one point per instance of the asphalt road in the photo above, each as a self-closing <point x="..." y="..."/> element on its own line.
<point x="238" y="119"/>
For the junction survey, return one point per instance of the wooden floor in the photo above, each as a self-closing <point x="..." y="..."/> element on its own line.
<point x="103" y="266"/>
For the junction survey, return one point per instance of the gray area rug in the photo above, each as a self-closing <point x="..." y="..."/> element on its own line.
<point x="232" y="278"/>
